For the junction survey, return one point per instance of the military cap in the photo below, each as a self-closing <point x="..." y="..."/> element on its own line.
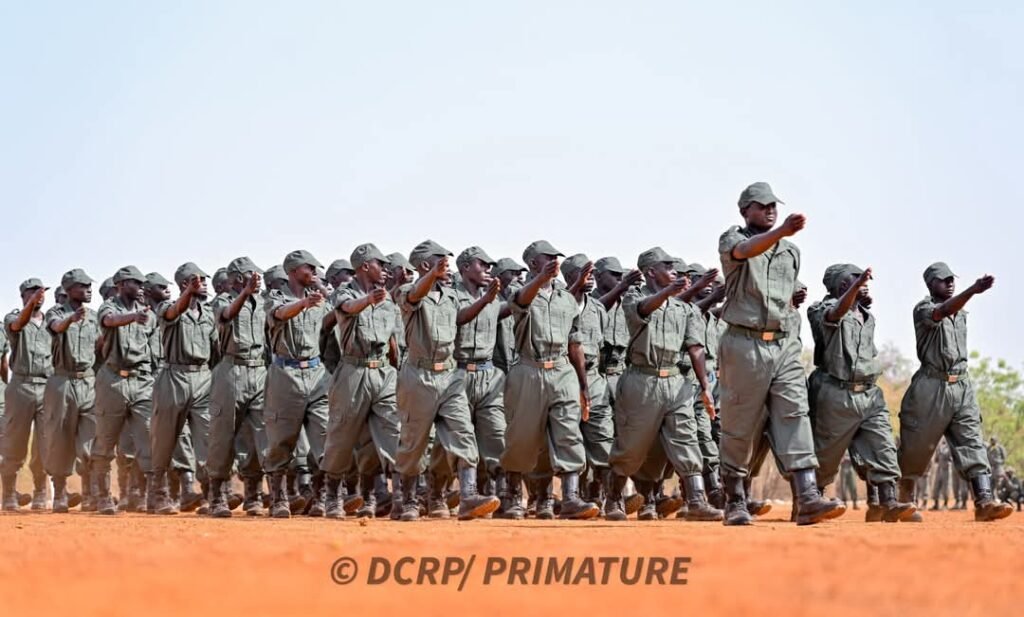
<point x="155" y="279"/>
<point x="609" y="264"/>
<point x="507" y="264"/>
<point x="396" y="260"/>
<point x="32" y="283"/>
<point x="425" y="250"/>
<point x="366" y="252"/>
<point x="938" y="270"/>
<point x="106" y="286"/>
<point x="128" y="273"/>
<point x="219" y="276"/>
<point x="241" y="265"/>
<point x="299" y="258"/>
<point x="695" y="269"/>
<point x="186" y="271"/>
<point x="474" y="252"/>
<point x="76" y="276"/>
<point x="337" y="266"/>
<point x="540" y="247"/>
<point x="572" y="265"/>
<point x="275" y="273"/>
<point x="653" y="256"/>
<point x="835" y="274"/>
<point x="759" y="192"/>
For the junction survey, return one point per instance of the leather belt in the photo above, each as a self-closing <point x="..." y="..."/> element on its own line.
<point x="852" y="386"/>
<point x="665" y="371"/>
<point x="767" y="336"/>
<point x="376" y="363"/>
<point x="308" y="363"/>
<point x="436" y="367"/>
<point x="946" y="376"/>
<point x="189" y="368"/>
<point x="476" y="366"/>
<point x="545" y="363"/>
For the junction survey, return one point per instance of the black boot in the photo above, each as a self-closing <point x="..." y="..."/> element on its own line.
<point x="39" y="493"/>
<point x="190" y="499"/>
<point x="713" y="486"/>
<point x="351" y="500"/>
<point x="383" y="494"/>
<point x="332" y="501"/>
<point x="218" y="504"/>
<point x="174" y="482"/>
<point x="60" y="495"/>
<point x="88" y="492"/>
<point x="755" y="507"/>
<point x="697" y="506"/>
<point x="986" y="507"/>
<point x="512" y="497"/>
<point x="104" y="500"/>
<point x="368" y="486"/>
<point x="204" y="503"/>
<point x="572" y="506"/>
<point x="10" y="499"/>
<point x="316" y="506"/>
<point x="736" y="505"/>
<point x="811" y="507"/>
<point x="279" y="506"/>
<point x="875" y="511"/>
<point x="908" y="486"/>
<point x="633" y="503"/>
<point x="396" y="497"/>
<point x="649" y="509"/>
<point x="614" y="504"/>
<point x="163" y="503"/>
<point x="545" y="498"/>
<point x="471" y="503"/>
<point x="300" y="491"/>
<point x="893" y="511"/>
<point x="253" y="502"/>
<point x="124" y="486"/>
<point x="437" y="506"/>
<point x="410" y="510"/>
<point x="665" y="505"/>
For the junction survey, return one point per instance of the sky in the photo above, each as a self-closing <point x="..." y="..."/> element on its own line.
<point x="158" y="133"/>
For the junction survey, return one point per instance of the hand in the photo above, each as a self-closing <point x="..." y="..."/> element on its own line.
<point x="38" y="297"/>
<point x="709" y="404"/>
<point x="252" y="284"/>
<point x="632" y="278"/>
<point x="585" y="404"/>
<point x="493" y="289"/>
<point x="793" y="224"/>
<point x="865" y="276"/>
<point x="984" y="283"/>
<point x="440" y="269"/>
<point x="799" y="297"/>
<point x="195" y="285"/>
<point x="378" y="295"/>
<point x="142" y="317"/>
<point x="314" y="299"/>
<point x="586" y="272"/>
<point x="679" y="285"/>
<point x="78" y="315"/>
<point x="550" y="270"/>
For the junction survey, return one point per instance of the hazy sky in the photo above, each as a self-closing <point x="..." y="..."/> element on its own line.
<point x="154" y="133"/>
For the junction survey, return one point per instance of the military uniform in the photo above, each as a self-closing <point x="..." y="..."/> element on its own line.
<point x="505" y="338"/>
<point x="996" y="459"/>
<point x="124" y="389"/>
<point x="69" y="401"/>
<point x="941" y="480"/>
<point x="362" y="395"/>
<point x="237" y="394"/>
<point x="31" y="365"/>
<point x="297" y="383"/>
<point x="941" y="401"/>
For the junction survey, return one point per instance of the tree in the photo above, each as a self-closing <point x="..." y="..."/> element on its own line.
<point x="999" y="388"/>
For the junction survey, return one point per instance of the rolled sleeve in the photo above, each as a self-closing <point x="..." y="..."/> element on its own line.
<point x="726" y="243"/>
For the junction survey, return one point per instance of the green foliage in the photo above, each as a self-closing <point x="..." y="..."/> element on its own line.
<point x="1000" y="391"/>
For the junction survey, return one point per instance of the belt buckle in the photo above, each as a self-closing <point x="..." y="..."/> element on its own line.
<point x="373" y="364"/>
<point x="768" y="336"/>
<point x="438" y="367"/>
<point x="859" y="387"/>
<point x="952" y="378"/>
<point x="124" y="373"/>
<point x="303" y="363"/>
<point x="548" y="364"/>
<point x="471" y="367"/>
<point x="663" y="372"/>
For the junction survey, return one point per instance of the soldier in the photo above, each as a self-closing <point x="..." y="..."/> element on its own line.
<point x="362" y="390"/>
<point x="1010" y="488"/>
<point x="70" y="398"/>
<point x="959" y="489"/>
<point x="940" y="400"/>
<point x="509" y="275"/>
<point x="297" y="383"/>
<point x="237" y="391"/>
<point x="339" y="273"/>
<point x="848" y="409"/>
<point x="124" y="385"/>
<point x="654" y="399"/>
<point x="31" y="364"/>
<point x="546" y="390"/>
<point x="761" y="378"/>
<point x="940" y="484"/>
<point x="428" y="394"/>
<point x="847" y="488"/>
<point x="996" y="458"/>
<point x="220" y="282"/>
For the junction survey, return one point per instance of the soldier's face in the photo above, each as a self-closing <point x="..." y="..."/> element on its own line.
<point x="159" y="293"/>
<point x="607" y="280"/>
<point x="508" y="276"/>
<point x="477" y="272"/>
<point x="663" y="274"/>
<point x="376" y="273"/>
<point x="341" y="278"/>
<point x="760" y="216"/>
<point x="305" y="275"/>
<point x="943" y="289"/>
<point x="81" y="293"/>
<point x="131" y="289"/>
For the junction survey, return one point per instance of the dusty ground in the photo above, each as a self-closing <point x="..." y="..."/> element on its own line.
<point x="90" y="565"/>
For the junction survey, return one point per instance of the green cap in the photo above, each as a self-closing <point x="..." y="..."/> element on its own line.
<point x="299" y="258"/>
<point x="540" y="247"/>
<point x="75" y="277"/>
<point x="128" y="273"/>
<point x="572" y="265"/>
<point x="609" y="264"/>
<point x="474" y="252"/>
<point x="835" y="274"/>
<point x="242" y="265"/>
<point x="653" y="256"/>
<point x="694" y="270"/>
<point x="760" y="192"/>
<point x="155" y="279"/>
<point x="397" y="259"/>
<point x="507" y="264"/>
<point x="367" y="252"/>
<point x="219" y="276"/>
<point x="938" y="270"/>
<point x="275" y="273"/>
<point x="425" y="250"/>
<point x="106" y="286"/>
<point x="337" y="266"/>
<point x="186" y="271"/>
<point x="32" y="283"/>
